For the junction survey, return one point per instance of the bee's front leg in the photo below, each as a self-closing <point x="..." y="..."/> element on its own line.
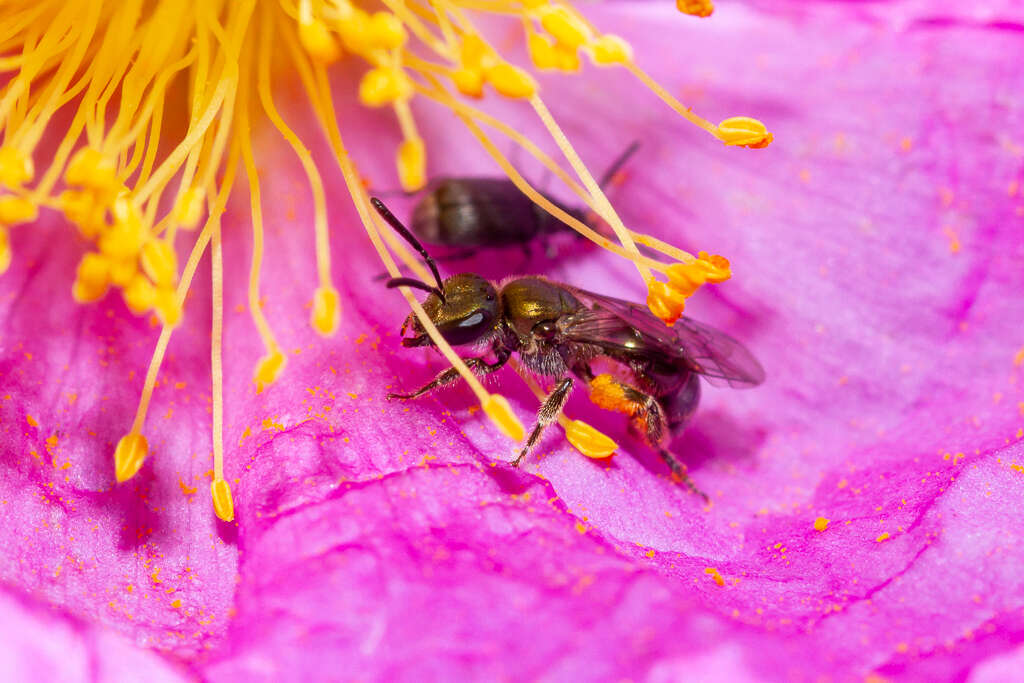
<point x="449" y="376"/>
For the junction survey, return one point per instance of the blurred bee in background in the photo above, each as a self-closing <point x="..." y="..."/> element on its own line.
<point x="630" y="360"/>
<point x="468" y="214"/>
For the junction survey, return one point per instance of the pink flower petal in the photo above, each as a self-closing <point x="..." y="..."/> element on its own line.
<point x="876" y="250"/>
<point x="39" y="645"/>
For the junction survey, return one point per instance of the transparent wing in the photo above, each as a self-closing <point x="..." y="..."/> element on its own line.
<point x="631" y="328"/>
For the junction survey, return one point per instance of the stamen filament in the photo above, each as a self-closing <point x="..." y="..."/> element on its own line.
<point x="316" y="184"/>
<point x="604" y="207"/>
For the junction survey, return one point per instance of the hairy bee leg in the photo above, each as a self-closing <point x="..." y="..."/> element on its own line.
<point x="477" y="365"/>
<point x="648" y="418"/>
<point x="549" y="412"/>
<point x="680" y="471"/>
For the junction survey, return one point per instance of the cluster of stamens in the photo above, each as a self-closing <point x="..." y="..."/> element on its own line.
<point x="135" y="191"/>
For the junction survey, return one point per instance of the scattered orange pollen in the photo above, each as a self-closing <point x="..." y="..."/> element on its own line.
<point x="715" y="575"/>
<point x="185" y="488"/>
<point x="954" y="239"/>
<point x="820" y="524"/>
<point x="883" y="537"/>
<point x="176" y="604"/>
<point x="1018" y="358"/>
<point x="31" y="421"/>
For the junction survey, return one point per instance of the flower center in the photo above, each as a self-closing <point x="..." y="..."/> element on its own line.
<point x="134" y="188"/>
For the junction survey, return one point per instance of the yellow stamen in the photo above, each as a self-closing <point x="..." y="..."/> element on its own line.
<point x="129" y="455"/>
<point x="743" y="131"/>
<point x="5" y="249"/>
<point x="696" y="8"/>
<point x="326" y="307"/>
<point x="500" y="412"/>
<point x="589" y="441"/>
<point x="223" y="502"/>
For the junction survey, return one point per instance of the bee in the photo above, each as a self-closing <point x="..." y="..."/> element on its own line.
<point x="468" y="214"/>
<point x="630" y="360"/>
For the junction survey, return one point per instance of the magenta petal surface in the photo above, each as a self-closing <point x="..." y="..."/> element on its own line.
<point x="876" y="247"/>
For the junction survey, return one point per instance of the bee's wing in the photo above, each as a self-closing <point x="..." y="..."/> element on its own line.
<point x="616" y="323"/>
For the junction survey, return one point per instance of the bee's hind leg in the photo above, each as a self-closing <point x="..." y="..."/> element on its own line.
<point x="549" y="412"/>
<point x="679" y="471"/>
<point x="648" y="418"/>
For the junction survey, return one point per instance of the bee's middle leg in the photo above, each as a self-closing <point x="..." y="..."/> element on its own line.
<point x="549" y="412"/>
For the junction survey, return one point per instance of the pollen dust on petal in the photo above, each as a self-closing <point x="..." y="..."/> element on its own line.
<point x="715" y="575"/>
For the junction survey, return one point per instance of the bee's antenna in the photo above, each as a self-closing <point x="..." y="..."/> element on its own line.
<point x="412" y="282"/>
<point x="619" y="163"/>
<point x="386" y="214"/>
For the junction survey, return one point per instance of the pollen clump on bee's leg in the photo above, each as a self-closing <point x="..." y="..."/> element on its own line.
<point x="589" y="441"/>
<point x="608" y="393"/>
<point x="129" y="455"/>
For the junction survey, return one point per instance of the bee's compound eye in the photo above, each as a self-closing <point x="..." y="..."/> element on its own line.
<point x="545" y="329"/>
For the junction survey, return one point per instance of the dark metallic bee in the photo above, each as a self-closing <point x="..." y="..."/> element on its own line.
<point x="472" y="213"/>
<point x="567" y="333"/>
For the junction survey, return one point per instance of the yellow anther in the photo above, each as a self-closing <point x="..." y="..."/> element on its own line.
<point x="14" y="210"/>
<point x="386" y="31"/>
<point x="567" y="59"/>
<point x="5" y="249"/>
<point x="497" y="408"/>
<point x="160" y="262"/>
<point x="696" y="8"/>
<point x="609" y="49"/>
<point x="122" y="242"/>
<point x="15" y="167"/>
<point x="190" y="208"/>
<point x="166" y="306"/>
<point x="268" y="369"/>
<point x="475" y="54"/>
<point x="534" y="4"/>
<point x="139" y="295"/>
<point x="129" y="455"/>
<point x="564" y="25"/>
<point x="383" y="85"/>
<point x="469" y="82"/>
<point x="542" y="51"/>
<point x="589" y="441"/>
<point x="664" y="301"/>
<point x="354" y="27"/>
<point x="326" y="310"/>
<point x="511" y="81"/>
<point x="223" y="502"/>
<point x="743" y="131"/>
<point x="82" y="209"/>
<point x="412" y="164"/>
<point x="122" y="272"/>
<point x="92" y="278"/>
<point x="89" y="168"/>
<point x="317" y="40"/>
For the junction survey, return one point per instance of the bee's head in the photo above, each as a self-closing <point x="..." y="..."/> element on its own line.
<point x="465" y="308"/>
<point x="468" y="312"/>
